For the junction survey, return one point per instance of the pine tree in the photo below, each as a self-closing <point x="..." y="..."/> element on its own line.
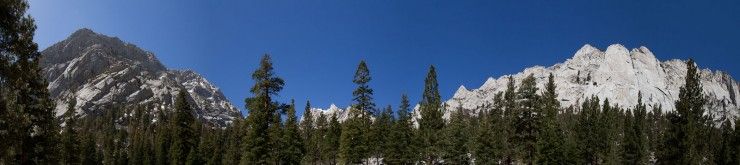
<point x="353" y="142"/>
<point x="587" y="131"/>
<point x="527" y="120"/>
<point x="431" y="122"/>
<point x="736" y="142"/>
<point x="400" y="149"/>
<point x="88" y="149"/>
<point x="197" y="158"/>
<point x="138" y="148"/>
<point x="568" y="121"/>
<point x="320" y="133"/>
<point x="164" y="138"/>
<point x="363" y="94"/>
<point x="333" y="134"/>
<point x="510" y="113"/>
<point x="550" y="143"/>
<point x="293" y="150"/>
<point x="70" y="135"/>
<point x="30" y="130"/>
<point x="113" y="138"/>
<point x="607" y="133"/>
<point x="183" y="133"/>
<point x="234" y="139"/>
<point x="455" y="139"/>
<point x="490" y="138"/>
<point x="641" y="139"/>
<point x="212" y="147"/>
<point x="307" y="133"/>
<point x="275" y="140"/>
<point x="688" y="121"/>
<point x="379" y="130"/>
<point x="656" y="129"/>
<point x="670" y="152"/>
<point x="121" y="156"/>
<point x="630" y="140"/>
<point x="726" y="151"/>
<point x="262" y="112"/>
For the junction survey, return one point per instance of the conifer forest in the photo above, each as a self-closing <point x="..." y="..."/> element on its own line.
<point x="523" y="124"/>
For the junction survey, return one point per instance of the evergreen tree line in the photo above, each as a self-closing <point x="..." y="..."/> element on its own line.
<point x="523" y="125"/>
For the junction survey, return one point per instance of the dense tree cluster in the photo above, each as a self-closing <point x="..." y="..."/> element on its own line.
<point x="28" y="126"/>
<point x="523" y="125"/>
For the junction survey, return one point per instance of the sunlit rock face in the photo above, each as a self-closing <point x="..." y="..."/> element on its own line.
<point x="105" y="73"/>
<point x="617" y="74"/>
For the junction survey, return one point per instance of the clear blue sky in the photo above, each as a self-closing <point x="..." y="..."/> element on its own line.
<point x="317" y="44"/>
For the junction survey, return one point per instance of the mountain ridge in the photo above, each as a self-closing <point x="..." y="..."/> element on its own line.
<point x="616" y="73"/>
<point x="100" y="71"/>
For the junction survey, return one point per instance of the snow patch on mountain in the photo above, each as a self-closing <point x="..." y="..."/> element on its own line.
<point x="342" y="114"/>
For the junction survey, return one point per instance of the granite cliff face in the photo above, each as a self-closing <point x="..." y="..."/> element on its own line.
<point x="617" y="74"/>
<point x="101" y="72"/>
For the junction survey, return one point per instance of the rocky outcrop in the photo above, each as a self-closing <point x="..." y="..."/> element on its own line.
<point x="617" y="74"/>
<point x="101" y="72"/>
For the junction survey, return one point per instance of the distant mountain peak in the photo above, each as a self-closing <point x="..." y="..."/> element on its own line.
<point x="586" y="51"/>
<point x="83" y="32"/>
<point x="616" y="49"/>
<point x="333" y="106"/>
<point x="617" y="73"/>
<point x="98" y="70"/>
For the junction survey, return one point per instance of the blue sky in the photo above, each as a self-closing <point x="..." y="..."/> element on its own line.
<point x="317" y="44"/>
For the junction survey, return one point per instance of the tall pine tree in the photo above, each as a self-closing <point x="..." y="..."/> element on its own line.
<point x="275" y="139"/>
<point x="354" y="146"/>
<point x="293" y="150"/>
<point x="431" y="122"/>
<point x="379" y="130"/>
<point x="510" y="113"/>
<point x="551" y="140"/>
<point x="262" y="112"/>
<point x="234" y="145"/>
<point x="163" y="138"/>
<point x="333" y="134"/>
<point x="638" y="144"/>
<point x="30" y="130"/>
<point x="322" y="126"/>
<point x="400" y="148"/>
<point x="684" y="143"/>
<point x="70" y="135"/>
<point x="607" y="132"/>
<point x="526" y="120"/>
<point x="456" y="137"/>
<point x="183" y="132"/>
<point x="491" y="140"/>
<point x="726" y="151"/>
<point x="307" y="133"/>
<point x="586" y="131"/>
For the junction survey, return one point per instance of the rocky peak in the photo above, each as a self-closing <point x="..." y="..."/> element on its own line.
<point x="616" y="49"/>
<point x="617" y="74"/>
<point x="461" y="90"/>
<point x="341" y="114"/>
<point x="98" y="70"/>
<point x="99" y="48"/>
<point x="333" y="107"/>
<point x="586" y="49"/>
